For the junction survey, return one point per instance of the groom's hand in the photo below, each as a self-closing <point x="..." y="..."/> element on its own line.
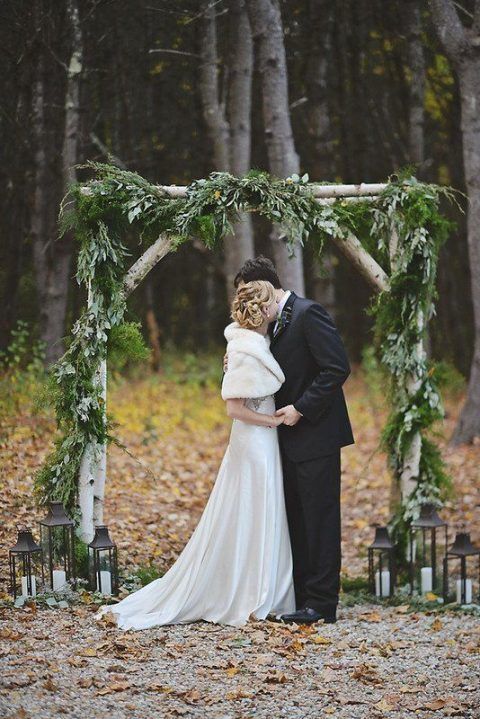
<point x="290" y="415"/>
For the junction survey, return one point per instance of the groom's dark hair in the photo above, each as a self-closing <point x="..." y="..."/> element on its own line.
<point x="260" y="268"/>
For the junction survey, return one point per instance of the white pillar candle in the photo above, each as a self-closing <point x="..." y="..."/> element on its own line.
<point x="426" y="582"/>
<point x="468" y="591"/>
<point x="105" y="582"/>
<point x="385" y="583"/>
<point x="25" y="586"/>
<point x="59" y="579"/>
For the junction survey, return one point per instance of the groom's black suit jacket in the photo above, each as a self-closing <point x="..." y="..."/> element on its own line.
<point x="312" y="356"/>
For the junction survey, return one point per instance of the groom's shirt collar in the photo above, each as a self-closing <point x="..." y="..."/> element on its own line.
<point x="282" y="302"/>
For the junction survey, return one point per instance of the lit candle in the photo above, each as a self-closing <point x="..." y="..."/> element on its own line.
<point x="25" y="586"/>
<point x="385" y="583"/>
<point x="59" y="579"/>
<point x="468" y="591"/>
<point x="426" y="582"/>
<point x="105" y="582"/>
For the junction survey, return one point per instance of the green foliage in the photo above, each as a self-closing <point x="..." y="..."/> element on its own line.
<point x="353" y="584"/>
<point x="448" y="377"/>
<point x="374" y="373"/>
<point x="192" y="369"/>
<point x="79" y="405"/>
<point x="118" y="201"/>
<point x="21" y="370"/>
<point x="126" y="344"/>
<point x="147" y="574"/>
<point x="81" y="559"/>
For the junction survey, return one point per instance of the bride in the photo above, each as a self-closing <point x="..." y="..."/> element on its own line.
<point x="238" y="561"/>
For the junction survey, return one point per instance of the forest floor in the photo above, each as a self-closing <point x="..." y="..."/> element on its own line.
<point x="376" y="661"/>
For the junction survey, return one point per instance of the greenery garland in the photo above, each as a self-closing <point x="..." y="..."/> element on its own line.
<point x="118" y="201"/>
<point x="411" y="209"/>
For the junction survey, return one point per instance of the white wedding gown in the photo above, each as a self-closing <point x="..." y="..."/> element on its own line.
<point x="238" y="560"/>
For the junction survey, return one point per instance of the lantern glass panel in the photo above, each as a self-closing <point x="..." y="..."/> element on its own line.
<point x="57" y="539"/>
<point x="103" y="563"/>
<point x="26" y="567"/>
<point x="462" y="565"/>
<point x="427" y="548"/>
<point x="381" y="564"/>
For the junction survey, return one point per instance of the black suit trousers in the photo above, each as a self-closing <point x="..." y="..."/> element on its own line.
<point x="312" y="496"/>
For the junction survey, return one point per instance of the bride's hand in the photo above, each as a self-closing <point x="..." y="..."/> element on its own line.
<point x="276" y="421"/>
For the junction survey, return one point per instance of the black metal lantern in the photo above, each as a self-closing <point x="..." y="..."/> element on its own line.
<point x="57" y="537"/>
<point x="26" y="564"/>
<point x="423" y="571"/>
<point x="103" y="562"/>
<point x="381" y="553"/>
<point x="461" y="549"/>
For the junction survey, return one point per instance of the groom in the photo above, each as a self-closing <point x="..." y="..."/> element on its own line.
<point x="308" y="348"/>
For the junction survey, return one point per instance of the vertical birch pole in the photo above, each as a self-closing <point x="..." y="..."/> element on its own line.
<point x="93" y="467"/>
<point x="410" y="472"/>
<point x="93" y="471"/>
<point x="100" y="469"/>
<point x="86" y="479"/>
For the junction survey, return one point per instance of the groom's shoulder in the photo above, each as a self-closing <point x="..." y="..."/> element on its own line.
<point x="313" y="309"/>
<point x="304" y="303"/>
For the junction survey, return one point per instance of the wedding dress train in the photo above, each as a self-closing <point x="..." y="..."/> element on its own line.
<point x="238" y="560"/>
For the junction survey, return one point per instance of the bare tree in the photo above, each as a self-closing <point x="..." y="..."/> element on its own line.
<point x="53" y="258"/>
<point x="416" y="63"/>
<point x="321" y="19"/>
<point x="239" y="110"/>
<point x="462" y="45"/>
<point x="228" y="121"/>
<point x="267" y="29"/>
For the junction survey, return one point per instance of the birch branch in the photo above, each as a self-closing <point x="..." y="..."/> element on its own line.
<point x="146" y="262"/>
<point x="369" y="268"/>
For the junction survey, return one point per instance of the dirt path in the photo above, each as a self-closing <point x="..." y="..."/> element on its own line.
<point x="371" y="663"/>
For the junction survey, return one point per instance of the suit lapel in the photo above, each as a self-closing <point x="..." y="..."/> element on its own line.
<point x="286" y="317"/>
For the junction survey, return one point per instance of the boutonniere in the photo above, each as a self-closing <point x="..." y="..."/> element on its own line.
<point x="284" y="319"/>
<point x="287" y="315"/>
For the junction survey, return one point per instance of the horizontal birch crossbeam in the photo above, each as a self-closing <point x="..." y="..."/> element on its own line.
<point x="331" y="192"/>
<point x="349" y="245"/>
<point x="328" y="192"/>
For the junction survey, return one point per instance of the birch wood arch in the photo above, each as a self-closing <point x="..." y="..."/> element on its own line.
<point x="409" y="472"/>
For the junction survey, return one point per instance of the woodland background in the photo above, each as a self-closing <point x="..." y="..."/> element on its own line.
<point x="158" y="85"/>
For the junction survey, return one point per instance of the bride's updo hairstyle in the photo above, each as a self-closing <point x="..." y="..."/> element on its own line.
<point x="249" y="301"/>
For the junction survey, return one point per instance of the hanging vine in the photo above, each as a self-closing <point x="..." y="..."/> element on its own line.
<point x="411" y="210"/>
<point x="117" y="202"/>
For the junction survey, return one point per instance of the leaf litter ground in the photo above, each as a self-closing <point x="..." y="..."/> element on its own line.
<point x="376" y="661"/>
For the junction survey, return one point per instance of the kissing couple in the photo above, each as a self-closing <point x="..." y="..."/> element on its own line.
<point x="268" y="544"/>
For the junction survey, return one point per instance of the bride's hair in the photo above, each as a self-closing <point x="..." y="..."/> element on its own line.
<point x="249" y="301"/>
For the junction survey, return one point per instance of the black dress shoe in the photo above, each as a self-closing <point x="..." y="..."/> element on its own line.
<point x="307" y="615"/>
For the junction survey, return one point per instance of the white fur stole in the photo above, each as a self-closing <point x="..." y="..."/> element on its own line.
<point x="252" y="369"/>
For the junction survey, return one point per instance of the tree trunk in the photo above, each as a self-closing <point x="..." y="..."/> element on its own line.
<point x="152" y="327"/>
<point x="416" y="65"/>
<point x="240" y="247"/>
<point x="267" y="29"/>
<point x="468" y="426"/>
<point x="230" y="137"/>
<point x="463" y="48"/>
<point x="213" y="107"/>
<point x="53" y="258"/>
<point x="321" y="16"/>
